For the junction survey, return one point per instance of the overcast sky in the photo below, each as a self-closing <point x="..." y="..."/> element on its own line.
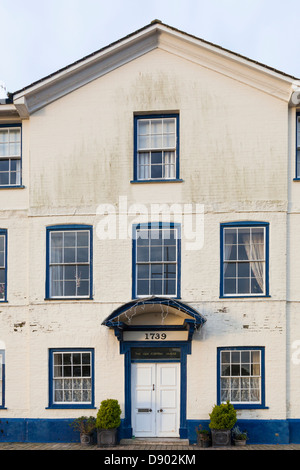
<point x="38" y="37"/>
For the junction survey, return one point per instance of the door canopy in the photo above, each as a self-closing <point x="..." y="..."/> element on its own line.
<point x="155" y="314"/>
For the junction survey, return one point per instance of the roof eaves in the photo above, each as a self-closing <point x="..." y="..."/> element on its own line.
<point x="158" y="24"/>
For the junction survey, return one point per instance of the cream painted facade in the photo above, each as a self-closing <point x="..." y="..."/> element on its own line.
<point x="237" y="158"/>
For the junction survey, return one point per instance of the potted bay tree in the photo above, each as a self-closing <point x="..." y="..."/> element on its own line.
<point x="222" y="419"/>
<point x="107" y="422"/>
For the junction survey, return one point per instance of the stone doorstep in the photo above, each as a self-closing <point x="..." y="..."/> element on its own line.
<point x="155" y="441"/>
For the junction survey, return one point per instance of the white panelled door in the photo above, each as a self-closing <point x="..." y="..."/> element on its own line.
<point x="155" y="399"/>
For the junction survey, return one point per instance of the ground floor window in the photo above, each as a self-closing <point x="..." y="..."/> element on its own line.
<point x="71" y="377"/>
<point x="2" y="378"/>
<point x="3" y="261"/>
<point x="241" y="376"/>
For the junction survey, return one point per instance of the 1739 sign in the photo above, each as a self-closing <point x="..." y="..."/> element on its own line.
<point x="170" y="335"/>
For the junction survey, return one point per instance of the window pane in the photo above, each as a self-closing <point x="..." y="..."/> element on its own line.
<point x="170" y="271"/>
<point x="156" y="237"/>
<point x="70" y="288"/>
<point x="69" y="239"/>
<point x="156" y="171"/>
<point x="244" y="286"/>
<point x="230" y="252"/>
<point x="169" y="236"/>
<point x="142" y="253"/>
<point x="170" y="253"/>
<point x="143" y="287"/>
<point x="257" y="286"/>
<point x="83" y="287"/>
<point x="243" y="269"/>
<point x="156" y="253"/>
<point x="156" y="158"/>
<point x="69" y="255"/>
<point x="169" y="287"/>
<point x="143" y="127"/>
<point x="82" y="255"/>
<point x="83" y="239"/>
<point x="156" y="287"/>
<point x="4" y="165"/>
<point x="243" y="252"/>
<point x="169" y="161"/>
<point x="143" y="271"/>
<point x="229" y="286"/>
<point x="4" y="178"/>
<point x="70" y="273"/>
<point x="230" y="269"/>
<point x="156" y="271"/>
<point x="142" y="237"/>
<point x="4" y="149"/>
<point x="83" y="272"/>
<point x="3" y="136"/>
<point x="144" y="142"/>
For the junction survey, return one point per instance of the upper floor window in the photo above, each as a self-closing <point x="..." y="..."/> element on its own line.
<point x="69" y="262"/>
<point x="298" y="145"/>
<point x="156" y="259"/>
<point x="10" y="155"/>
<point x="244" y="259"/>
<point x="156" y="147"/>
<point x="2" y="377"/>
<point x="3" y="262"/>
<point x="241" y="376"/>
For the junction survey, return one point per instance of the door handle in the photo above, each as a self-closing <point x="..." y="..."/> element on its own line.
<point x="160" y="411"/>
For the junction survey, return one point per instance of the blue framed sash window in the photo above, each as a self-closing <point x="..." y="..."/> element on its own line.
<point x="156" y="260"/>
<point x="241" y="375"/>
<point x="244" y="259"/>
<point x="298" y="146"/>
<point x="3" y="265"/>
<point x="2" y="378"/>
<point x="156" y="147"/>
<point x="10" y="155"/>
<point x="71" y="378"/>
<point x="69" y="262"/>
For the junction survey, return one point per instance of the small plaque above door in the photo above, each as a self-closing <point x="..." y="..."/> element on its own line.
<point x="154" y="354"/>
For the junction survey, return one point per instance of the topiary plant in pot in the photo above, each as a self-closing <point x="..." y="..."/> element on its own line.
<point x="107" y="422"/>
<point x="222" y="419"/>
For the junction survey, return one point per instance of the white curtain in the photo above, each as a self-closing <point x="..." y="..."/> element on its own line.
<point x="255" y="253"/>
<point x="169" y="160"/>
<point x="56" y="272"/>
<point x="144" y="166"/>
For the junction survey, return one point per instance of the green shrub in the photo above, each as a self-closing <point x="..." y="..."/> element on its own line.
<point x="223" y="416"/>
<point x="108" y="416"/>
<point x="84" y="424"/>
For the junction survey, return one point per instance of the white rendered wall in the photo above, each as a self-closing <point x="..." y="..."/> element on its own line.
<point x="79" y="150"/>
